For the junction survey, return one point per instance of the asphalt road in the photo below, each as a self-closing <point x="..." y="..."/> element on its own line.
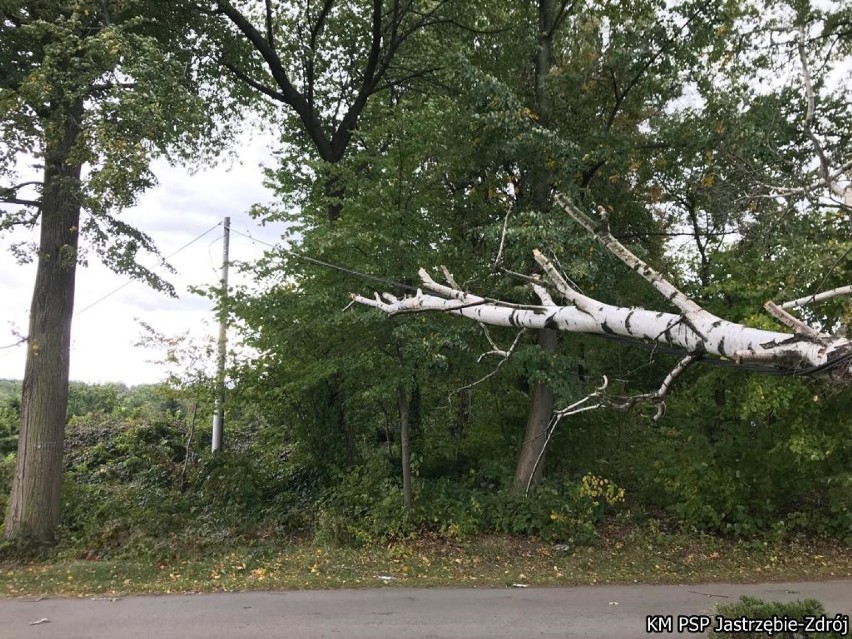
<point x="596" y="612"/>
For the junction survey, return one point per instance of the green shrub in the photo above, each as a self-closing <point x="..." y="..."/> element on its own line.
<point x="365" y="508"/>
<point x="104" y="448"/>
<point x="452" y="508"/>
<point x="231" y="490"/>
<point x="753" y="608"/>
<point x="7" y="470"/>
<point x="131" y="487"/>
<point x="108" y="520"/>
<point x="725" y="463"/>
<point x="566" y="512"/>
<point x="10" y="417"/>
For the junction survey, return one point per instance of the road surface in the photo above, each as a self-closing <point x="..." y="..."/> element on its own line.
<point x="594" y="612"/>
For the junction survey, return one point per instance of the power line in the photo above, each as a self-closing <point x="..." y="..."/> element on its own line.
<point x="829" y="271"/>
<point x="129" y="282"/>
<point x="312" y="260"/>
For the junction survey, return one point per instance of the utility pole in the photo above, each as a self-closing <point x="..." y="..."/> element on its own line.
<point x="219" y="414"/>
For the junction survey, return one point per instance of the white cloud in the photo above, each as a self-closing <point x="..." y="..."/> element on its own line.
<point x="181" y="208"/>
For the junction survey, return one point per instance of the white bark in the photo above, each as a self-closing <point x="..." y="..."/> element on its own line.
<point x="819" y="297"/>
<point x="714" y="335"/>
<point x="694" y="329"/>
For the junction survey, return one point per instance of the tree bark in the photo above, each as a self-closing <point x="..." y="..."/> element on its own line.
<point x="337" y="401"/>
<point x="35" y="503"/>
<point x="541" y="401"/>
<point x="541" y="410"/>
<point x="405" y="448"/>
<point x="694" y="330"/>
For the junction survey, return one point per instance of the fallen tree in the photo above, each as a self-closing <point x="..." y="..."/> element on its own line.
<point x="804" y="350"/>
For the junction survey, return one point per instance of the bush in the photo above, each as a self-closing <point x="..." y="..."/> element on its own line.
<point x="453" y="508"/>
<point x="723" y="462"/>
<point x="7" y="470"/>
<point x="753" y="608"/>
<point x="367" y="507"/>
<point x="130" y="490"/>
<point x="10" y="417"/>
<point x="566" y="512"/>
<point x="232" y="490"/>
<point x="108" y="520"/>
<point x="102" y="448"/>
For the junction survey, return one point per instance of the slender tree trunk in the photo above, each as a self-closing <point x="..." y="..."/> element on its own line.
<point x="535" y="434"/>
<point x="541" y="404"/>
<point x="344" y="428"/>
<point x="405" y="448"/>
<point x="35" y="502"/>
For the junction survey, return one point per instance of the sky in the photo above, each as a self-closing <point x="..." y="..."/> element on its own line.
<point x="179" y="209"/>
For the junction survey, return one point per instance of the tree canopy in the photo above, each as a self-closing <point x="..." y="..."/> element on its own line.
<point x="90" y="93"/>
<point x="509" y="146"/>
<point x="672" y="119"/>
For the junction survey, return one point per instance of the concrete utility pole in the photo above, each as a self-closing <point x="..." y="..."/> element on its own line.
<point x="219" y="414"/>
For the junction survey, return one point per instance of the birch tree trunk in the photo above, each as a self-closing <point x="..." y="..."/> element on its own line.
<point x="35" y="502"/>
<point x="804" y="351"/>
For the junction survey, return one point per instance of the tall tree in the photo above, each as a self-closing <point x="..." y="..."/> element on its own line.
<point x="772" y="156"/>
<point x="589" y="76"/>
<point x="327" y="64"/>
<point x="92" y="90"/>
<point x="609" y="120"/>
<point x="323" y="62"/>
<point x="551" y="14"/>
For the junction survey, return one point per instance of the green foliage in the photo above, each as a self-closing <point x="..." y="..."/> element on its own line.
<point x="10" y="419"/>
<point x="741" y="454"/>
<point x="133" y="486"/>
<point x="7" y="468"/>
<point x="754" y="608"/>
<point x="637" y="125"/>
<point x="105" y="449"/>
<point x="366" y="508"/>
<point x="136" y="69"/>
<point x="656" y="113"/>
<point x="567" y="512"/>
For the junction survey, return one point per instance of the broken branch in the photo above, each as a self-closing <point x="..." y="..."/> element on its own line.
<point x="818" y="297"/>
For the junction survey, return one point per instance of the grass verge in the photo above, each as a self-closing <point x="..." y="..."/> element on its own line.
<point x="635" y="555"/>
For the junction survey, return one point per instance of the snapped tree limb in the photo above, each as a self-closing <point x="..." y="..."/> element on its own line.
<point x="693" y="329"/>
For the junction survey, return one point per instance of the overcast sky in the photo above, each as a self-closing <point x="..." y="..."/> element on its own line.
<point x="181" y="208"/>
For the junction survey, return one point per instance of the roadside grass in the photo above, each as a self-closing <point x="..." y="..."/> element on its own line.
<point x="623" y="555"/>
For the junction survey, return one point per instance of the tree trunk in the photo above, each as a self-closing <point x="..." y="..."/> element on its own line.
<point x="35" y="502"/>
<point x="805" y="352"/>
<point x="405" y="448"/>
<point x="541" y="410"/>
<point x="541" y="404"/>
<point x="344" y="428"/>
<point x="334" y="191"/>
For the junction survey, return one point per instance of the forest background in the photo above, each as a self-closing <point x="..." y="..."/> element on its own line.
<point x="420" y="134"/>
